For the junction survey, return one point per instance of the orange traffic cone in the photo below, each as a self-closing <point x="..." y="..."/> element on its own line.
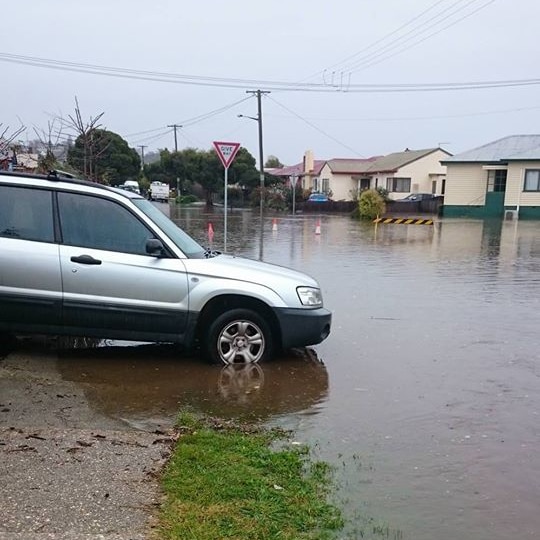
<point x="274" y="224"/>
<point x="318" y="227"/>
<point x="210" y="232"/>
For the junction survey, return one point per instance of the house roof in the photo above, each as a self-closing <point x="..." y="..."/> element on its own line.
<point x="392" y="162"/>
<point x="351" y="166"/>
<point x="371" y="165"/>
<point x="298" y="169"/>
<point x="513" y="147"/>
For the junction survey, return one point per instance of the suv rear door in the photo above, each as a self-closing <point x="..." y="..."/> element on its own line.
<point x="112" y="287"/>
<point x="30" y="281"/>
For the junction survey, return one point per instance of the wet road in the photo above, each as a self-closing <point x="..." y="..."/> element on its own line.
<point x="426" y="394"/>
<point x="431" y="413"/>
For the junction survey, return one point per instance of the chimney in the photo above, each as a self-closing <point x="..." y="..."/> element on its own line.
<point x="308" y="161"/>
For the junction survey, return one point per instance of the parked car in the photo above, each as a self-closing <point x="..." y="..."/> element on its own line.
<point x="318" y="197"/>
<point x="82" y="259"/>
<point x="417" y="197"/>
<point x="127" y="187"/>
<point x="132" y="185"/>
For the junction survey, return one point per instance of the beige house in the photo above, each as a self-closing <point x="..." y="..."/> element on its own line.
<point x="400" y="173"/>
<point x="342" y="178"/>
<point x="410" y="171"/>
<point x="501" y="178"/>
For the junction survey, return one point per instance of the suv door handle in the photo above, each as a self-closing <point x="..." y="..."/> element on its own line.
<point x="85" y="259"/>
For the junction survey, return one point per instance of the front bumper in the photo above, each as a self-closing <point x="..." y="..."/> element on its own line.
<point x="301" y="327"/>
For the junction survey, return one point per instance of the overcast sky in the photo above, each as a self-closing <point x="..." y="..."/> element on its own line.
<point x="335" y="46"/>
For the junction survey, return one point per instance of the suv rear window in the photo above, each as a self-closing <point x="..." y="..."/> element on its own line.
<point x="26" y="214"/>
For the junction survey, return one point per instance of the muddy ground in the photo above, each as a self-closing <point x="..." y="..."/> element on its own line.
<point x="66" y="472"/>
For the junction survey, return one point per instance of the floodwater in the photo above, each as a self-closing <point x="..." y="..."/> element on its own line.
<point x="425" y="396"/>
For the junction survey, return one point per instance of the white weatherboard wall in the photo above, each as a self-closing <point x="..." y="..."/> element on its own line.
<point x="465" y="184"/>
<point x="515" y="196"/>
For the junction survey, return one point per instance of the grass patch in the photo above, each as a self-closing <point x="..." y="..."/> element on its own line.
<point x="226" y="480"/>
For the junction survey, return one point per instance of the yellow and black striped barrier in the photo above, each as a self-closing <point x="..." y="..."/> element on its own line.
<point x="404" y="221"/>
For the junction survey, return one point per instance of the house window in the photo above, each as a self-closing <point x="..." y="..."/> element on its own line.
<point x="364" y="183"/>
<point x="400" y="185"/>
<point x="497" y="180"/>
<point x="325" y="185"/>
<point x="315" y="185"/>
<point x="532" y="180"/>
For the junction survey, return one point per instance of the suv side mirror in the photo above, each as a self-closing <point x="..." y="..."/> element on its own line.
<point x="155" y="247"/>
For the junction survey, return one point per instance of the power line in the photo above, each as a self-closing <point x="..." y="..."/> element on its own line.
<point x="412" y="118"/>
<point x="373" y="61"/>
<point x="415" y="31"/>
<point x="317" y="128"/>
<point x="376" y="42"/>
<point x="273" y="85"/>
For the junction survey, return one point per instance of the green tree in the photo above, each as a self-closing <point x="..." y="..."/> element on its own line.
<point x="273" y="163"/>
<point x="193" y="167"/>
<point x="112" y="160"/>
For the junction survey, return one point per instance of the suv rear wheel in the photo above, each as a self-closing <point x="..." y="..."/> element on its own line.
<point x="239" y="336"/>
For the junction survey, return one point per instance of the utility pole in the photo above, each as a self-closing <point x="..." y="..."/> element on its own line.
<point x="293" y="186"/>
<point x="142" y="147"/>
<point x="259" y="93"/>
<point x="175" y="127"/>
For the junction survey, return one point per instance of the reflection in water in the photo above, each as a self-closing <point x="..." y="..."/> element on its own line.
<point x="149" y="384"/>
<point x="239" y="382"/>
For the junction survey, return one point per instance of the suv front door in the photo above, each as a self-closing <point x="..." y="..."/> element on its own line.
<point x="112" y="287"/>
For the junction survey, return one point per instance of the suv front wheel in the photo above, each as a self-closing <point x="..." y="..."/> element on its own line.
<point x="239" y="336"/>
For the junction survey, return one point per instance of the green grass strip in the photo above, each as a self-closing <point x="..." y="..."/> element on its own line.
<point x="230" y="481"/>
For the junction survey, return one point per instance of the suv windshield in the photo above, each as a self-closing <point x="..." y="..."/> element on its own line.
<point x="188" y="246"/>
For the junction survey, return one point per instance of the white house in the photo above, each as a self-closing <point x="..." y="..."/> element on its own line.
<point x="501" y="178"/>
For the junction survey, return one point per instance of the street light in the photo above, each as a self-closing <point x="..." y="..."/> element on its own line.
<point x="258" y="119"/>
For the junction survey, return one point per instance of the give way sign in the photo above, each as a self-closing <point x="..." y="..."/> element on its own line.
<point x="226" y="151"/>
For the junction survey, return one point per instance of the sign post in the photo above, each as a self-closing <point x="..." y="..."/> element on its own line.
<point x="227" y="152"/>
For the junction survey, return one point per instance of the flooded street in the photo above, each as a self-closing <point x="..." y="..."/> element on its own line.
<point x="432" y="409"/>
<point x="425" y="396"/>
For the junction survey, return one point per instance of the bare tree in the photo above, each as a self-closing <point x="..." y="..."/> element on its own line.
<point x="85" y="132"/>
<point x="49" y="140"/>
<point x="6" y="138"/>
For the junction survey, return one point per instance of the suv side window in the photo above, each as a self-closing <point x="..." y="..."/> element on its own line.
<point x="26" y="214"/>
<point x="97" y="223"/>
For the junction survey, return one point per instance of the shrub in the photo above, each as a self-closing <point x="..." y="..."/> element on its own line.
<point x="186" y="199"/>
<point x="370" y="204"/>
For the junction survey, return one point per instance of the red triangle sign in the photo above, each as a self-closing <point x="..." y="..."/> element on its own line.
<point x="226" y="151"/>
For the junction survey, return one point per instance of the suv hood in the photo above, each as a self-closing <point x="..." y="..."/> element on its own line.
<point x="238" y="268"/>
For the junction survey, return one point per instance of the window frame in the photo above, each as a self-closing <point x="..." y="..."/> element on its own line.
<point x="496" y="178"/>
<point x="525" y="190"/>
<point x="393" y="182"/>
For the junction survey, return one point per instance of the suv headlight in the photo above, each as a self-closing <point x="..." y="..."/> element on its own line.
<point x="309" y="296"/>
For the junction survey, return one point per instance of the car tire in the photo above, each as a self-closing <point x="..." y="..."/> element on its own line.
<point x="238" y="336"/>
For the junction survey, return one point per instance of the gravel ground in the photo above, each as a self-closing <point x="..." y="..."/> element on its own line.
<point x="67" y="472"/>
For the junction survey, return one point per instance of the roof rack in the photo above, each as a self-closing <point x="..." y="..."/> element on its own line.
<point x="56" y="174"/>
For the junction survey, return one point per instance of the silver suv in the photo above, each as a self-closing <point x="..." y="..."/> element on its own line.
<point x="78" y="258"/>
